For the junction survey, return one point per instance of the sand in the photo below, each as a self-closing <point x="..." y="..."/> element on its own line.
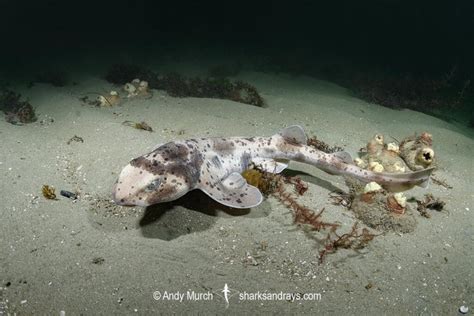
<point x="91" y="257"/>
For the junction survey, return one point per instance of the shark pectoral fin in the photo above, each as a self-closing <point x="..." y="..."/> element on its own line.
<point x="234" y="191"/>
<point x="294" y="134"/>
<point x="269" y="165"/>
<point x="234" y="181"/>
<point x="344" y="156"/>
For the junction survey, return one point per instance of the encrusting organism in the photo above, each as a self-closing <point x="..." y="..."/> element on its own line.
<point x="137" y="88"/>
<point x="417" y="151"/>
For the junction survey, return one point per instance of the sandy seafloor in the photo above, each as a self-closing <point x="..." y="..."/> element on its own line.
<point x="90" y="257"/>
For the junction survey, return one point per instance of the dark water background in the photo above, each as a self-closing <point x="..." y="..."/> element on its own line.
<point x="418" y="46"/>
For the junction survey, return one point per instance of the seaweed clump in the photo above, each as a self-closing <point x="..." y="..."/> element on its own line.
<point x="425" y="93"/>
<point x="179" y="86"/>
<point x="276" y="185"/>
<point x="17" y="112"/>
<point x="48" y="192"/>
<point x="429" y="202"/>
<point x="355" y="239"/>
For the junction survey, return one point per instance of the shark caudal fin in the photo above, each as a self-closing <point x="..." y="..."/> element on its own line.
<point x="419" y="178"/>
<point x="426" y="182"/>
<point x="294" y="134"/>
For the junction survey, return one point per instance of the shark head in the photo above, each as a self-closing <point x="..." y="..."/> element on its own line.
<point x="137" y="186"/>
<point x="160" y="176"/>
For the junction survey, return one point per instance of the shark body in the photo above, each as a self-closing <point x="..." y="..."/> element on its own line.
<point x="214" y="165"/>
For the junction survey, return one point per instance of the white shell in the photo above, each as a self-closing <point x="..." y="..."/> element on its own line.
<point x="393" y="147"/>
<point x="463" y="309"/>
<point x="130" y="88"/>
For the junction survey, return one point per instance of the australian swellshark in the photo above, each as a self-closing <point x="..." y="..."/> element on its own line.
<point x="214" y="165"/>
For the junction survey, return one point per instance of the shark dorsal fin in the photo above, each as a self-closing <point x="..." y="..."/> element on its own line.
<point x="294" y="134"/>
<point x="344" y="156"/>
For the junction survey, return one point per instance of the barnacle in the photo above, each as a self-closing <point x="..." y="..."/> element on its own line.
<point x="396" y="204"/>
<point x="425" y="157"/>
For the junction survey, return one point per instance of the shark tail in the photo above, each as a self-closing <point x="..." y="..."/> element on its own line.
<point x="407" y="181"/>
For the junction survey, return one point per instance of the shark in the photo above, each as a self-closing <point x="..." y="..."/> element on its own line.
<point x="214" y="166"/>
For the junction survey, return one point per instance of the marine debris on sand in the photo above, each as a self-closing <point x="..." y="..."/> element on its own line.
<point x="76" y="139"/>
<point x="141" y="125"/>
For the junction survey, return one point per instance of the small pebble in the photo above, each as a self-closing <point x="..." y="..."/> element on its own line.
<point x="68" y="194"/>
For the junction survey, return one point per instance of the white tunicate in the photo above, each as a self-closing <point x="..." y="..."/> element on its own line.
<point x="372" y="187"/>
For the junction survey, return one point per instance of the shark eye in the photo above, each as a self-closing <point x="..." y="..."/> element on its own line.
<point x="153" y="185"/>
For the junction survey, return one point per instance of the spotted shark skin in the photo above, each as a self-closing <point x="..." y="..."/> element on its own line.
<point x="214" y="165"/>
